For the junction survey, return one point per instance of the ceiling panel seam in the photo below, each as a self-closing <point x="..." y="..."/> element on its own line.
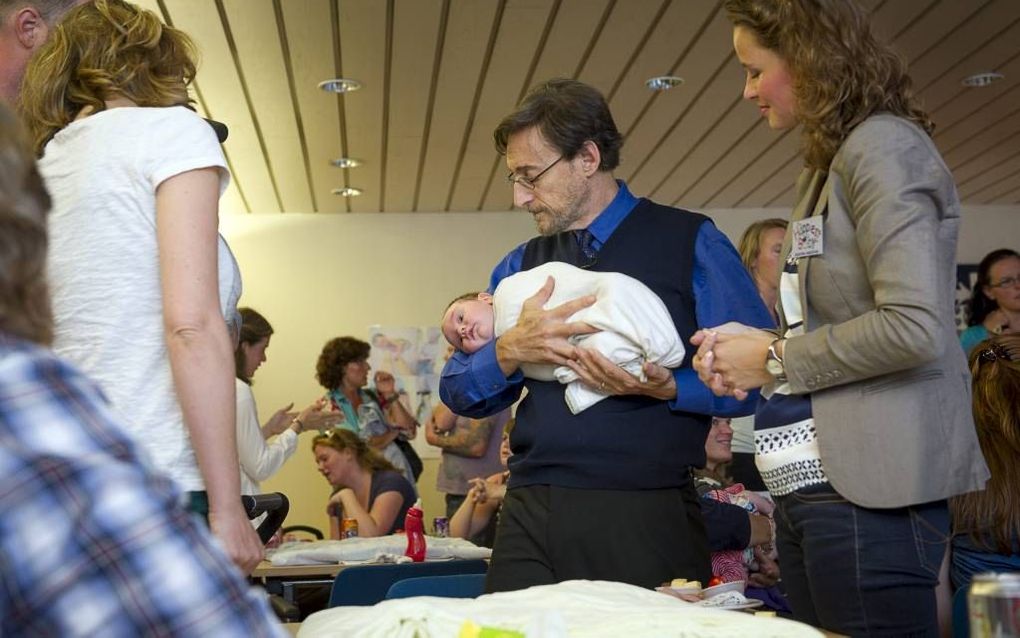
<point x="338" y="71"/>
<point x="694" y="146"/>
<point x="719" y="159"/>
<point x="673" y="70"/>
<point x="625" y="71"/>
<point x="596" y="34"/>
<point x="232" y="46"/>
<point x="385" y="128"/>
<point x="525" y="86"/>
<point x="281" y="29"/>
<point x="437" y="62"/>
<point x="205" y="109"/>
<point x="465" y="138"/>
<point x="672" y="127"/>
<point x="766" y="180"/>
<point x="737" y="175"/>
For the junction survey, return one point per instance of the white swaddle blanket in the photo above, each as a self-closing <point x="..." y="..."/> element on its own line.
<point x="634" y="323"/>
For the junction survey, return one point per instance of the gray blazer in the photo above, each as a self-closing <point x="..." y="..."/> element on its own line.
<point x="889" y="383"/>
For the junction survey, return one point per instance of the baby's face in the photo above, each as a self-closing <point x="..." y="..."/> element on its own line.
<point x="468" y="325"/>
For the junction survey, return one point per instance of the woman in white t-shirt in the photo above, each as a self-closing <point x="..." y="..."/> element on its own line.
<point x="140" y="279"/>
<point x="263" y="449"/>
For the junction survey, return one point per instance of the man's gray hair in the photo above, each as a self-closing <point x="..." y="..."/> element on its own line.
<point x="50" y="10"/>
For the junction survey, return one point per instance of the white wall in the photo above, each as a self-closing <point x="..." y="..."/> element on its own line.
<point x="319" y="276"/>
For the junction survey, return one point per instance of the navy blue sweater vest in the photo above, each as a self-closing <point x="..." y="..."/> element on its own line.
<point x="622" y="442"/>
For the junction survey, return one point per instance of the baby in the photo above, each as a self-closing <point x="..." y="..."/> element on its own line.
<point x="634" y="324"/>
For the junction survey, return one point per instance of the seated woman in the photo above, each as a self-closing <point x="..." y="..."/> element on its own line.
<point x="732" y="563"/>
<point x="366" y="487"/>
<point x="986" y="524"/>
<point x="484" y="497"/>
<point x="737" y="555"/>
<point x="258" y="457"/>
<point x="994" y="304"/>
<point x="377" y="416"/>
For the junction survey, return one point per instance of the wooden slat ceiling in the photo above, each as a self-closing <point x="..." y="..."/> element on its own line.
<point x="438" y="75"/>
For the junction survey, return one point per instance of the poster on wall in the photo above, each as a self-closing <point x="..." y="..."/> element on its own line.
<point x="414" y="356"/>
<point x="966" y="278"/>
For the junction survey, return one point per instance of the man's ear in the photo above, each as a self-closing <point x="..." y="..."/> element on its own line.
<point x="486" y="297"/>
<point x="30" y="28"/>
<point x="590" y="156"/>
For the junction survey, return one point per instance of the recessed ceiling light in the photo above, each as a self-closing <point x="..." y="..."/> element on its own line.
<point x="348" y="191"/>
<point x="345" y="162"/>
<point x="340" y="85"/>
<point x="664" y="82"/>
<point x="982" y="79"/>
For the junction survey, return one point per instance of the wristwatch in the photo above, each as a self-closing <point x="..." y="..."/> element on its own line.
<point x="774" y="363"/>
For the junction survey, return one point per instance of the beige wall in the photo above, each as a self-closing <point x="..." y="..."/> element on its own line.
<point x="320" y="276"/>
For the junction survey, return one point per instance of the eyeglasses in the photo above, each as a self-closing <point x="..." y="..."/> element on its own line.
<point x="529" y="182"/>
<point x="1003" y="283"/>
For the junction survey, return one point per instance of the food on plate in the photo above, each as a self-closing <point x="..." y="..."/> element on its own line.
<point x="715" y="581"/>
<point x="683" y="583"/>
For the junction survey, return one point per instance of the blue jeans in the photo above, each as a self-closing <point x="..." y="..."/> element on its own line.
<point x="860" y="571"/>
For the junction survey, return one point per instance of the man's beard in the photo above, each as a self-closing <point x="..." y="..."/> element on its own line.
<point x="559" y="221"/>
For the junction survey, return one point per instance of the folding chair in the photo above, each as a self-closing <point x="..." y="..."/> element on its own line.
<point x="368" y="584"/>
<point x="454" y="586"/>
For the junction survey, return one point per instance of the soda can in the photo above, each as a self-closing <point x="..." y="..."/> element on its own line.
<point x="993" y="603"/>
<point x="349" y="528"/>
<point x="441" y="526"/>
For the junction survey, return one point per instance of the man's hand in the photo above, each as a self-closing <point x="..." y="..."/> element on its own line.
<point x="541" y="336"/>
<point x="598" y="372"/>
<point x="238" y="537"/>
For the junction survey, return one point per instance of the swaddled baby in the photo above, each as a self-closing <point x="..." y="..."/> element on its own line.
<point x="634" y="324"/>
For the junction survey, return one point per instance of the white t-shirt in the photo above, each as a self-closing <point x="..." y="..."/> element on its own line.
<point x="259" y="458"/>
<point x="102" y="172"/>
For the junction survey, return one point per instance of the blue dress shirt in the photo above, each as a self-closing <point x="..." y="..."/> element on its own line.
<point x="475" y="386"/>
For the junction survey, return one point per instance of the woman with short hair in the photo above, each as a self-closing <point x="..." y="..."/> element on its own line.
<point x="378" y="415"/>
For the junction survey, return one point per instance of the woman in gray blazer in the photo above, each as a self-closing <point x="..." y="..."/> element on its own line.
<point x="865" y="429"/>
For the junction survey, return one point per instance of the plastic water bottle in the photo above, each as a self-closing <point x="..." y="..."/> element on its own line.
<point x="414" y="528"/>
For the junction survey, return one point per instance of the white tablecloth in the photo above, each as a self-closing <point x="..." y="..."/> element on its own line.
<point x="592" y="609"/>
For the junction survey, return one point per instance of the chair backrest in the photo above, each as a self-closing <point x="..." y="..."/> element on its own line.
<point x="454" y="586"/>
<point x="368" y="584"/>
<point x="961" y="618"/>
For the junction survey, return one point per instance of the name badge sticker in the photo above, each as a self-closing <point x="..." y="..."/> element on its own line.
<point x="807" y="238"/>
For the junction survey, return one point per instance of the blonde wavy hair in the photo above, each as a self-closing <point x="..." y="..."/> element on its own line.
<point x="24" y="300"/>
<point x="842" y="74"/>
<point x="992" y="516"/>
<point x="750" y="241"/>
<point x="103" y="50"/>
<point x="367" y="458"/>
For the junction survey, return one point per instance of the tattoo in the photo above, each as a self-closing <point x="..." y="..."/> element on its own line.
<point x="466" y="438"/>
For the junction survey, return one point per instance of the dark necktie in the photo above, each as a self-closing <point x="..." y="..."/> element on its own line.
<point x="585" y="255"/>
